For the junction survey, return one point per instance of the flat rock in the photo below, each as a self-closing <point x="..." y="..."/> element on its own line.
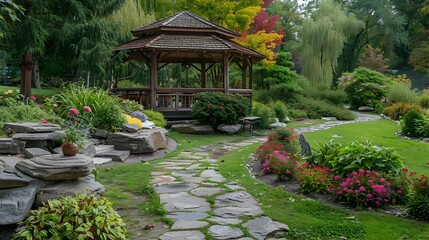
<point x="207" y="191"/>
<point x="213" y="175"/>
<point x="30" y="127"/>
<point x="234" y="186"/>
<point x="192" y="129"/>
<point x="329" y="118"/>
<point x="188" y="216"/>
<point x="10" y="146"/>
<point x="225" y="232"/>
<point x="15" y="203"/>
<point x="366" y="109"/>
<point x="225" y="221"/>
<point x="57" y="189"/>
<point x="43" y="136"/>
<point x="10" y="178"/>
<point x="263" y="227"/>
<point x="230" y="129"/>
<point x="115" y="155"/>
<point x="236" y="199"/>
<point x="100" y="133"/>
<point x="143" y="141"/>
<point x="35" y="152"/>
<point x="131" y="128"/>
<point x="99" y="161"/>
<point x="187" y="225"/>
<point x="183" y="201"/>
<point x="175" y="187"/>
<point x="57" y="167"/>
<point x="104" y="148"/>
<point x="237" y="212"/>
<point x="162" y="179"/>
<point x="182" y="235"/>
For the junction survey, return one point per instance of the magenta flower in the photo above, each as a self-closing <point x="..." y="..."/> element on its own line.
<point x="44" y="121"/>
<point x="73" y="111"/>
<point x="33" y="98"/>
<point x="87" y="109"/>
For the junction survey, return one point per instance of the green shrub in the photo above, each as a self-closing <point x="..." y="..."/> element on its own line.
<point x="155" y="117"/>
<point x="422" y="128"/>
<point x="287" y="138"/>
<point x="263" y="111"/>
<point x="398" y="110"/>
<point x="314" y="178"/>
<point x="418" y="203"/>
<point x="107" y="111"/>
<point x="317" y="109"/>
<point x="401" y="93"/>
<point x="346" y="158"/>
<point x="424" y="99"/>
<point x="337" y="97"/>
<point x="364" y="87"/>
<point x="79" y="217"/>
<point x="130" y="106"/>
<point x="296" y="113"/>
<point x="280" y="109"/>
<point x="219" y="108"/>
<point x="409" y="123"/>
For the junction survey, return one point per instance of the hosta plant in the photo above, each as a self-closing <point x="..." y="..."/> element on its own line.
<point x="79" y="217"/>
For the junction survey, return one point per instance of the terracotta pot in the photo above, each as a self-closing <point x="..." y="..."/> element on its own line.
<point x="69" y="149"/>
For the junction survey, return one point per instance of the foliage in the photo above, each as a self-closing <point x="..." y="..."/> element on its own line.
<point x="346" y="158"/>
<point x="11" y="98"/>
<point x="219" y="108"/>
<point x="364" y="189"/>
<point x="79" y="217"/>
<point x="156" y="117"/>
<point x="314" y="178"/>
<point x="263" y="151"/>
<point x="409" y="123"/>
<point x="281" y="163"/>
<point x="9" y="12"/>
<point x="77" y="126"/>
<point x="296" y="113"/>
<point x="280" y="109"/>
<point x="401" y="93"/>
<point x="287" y="138"/>
<point x="419" y="57"/>
<point x="323" y="38"/>
<point x="106" y="109"/>
<point x="418" y="206"/>
<point x="317" y="109"/>
<point x="337" y="97"/>
<point x="373" y="59"/>
<point x="424" y="98"/>
<point x="130" y="106"/>
<point x="364" y="87"/>
<point x="263" y="111"/>
<point x="422" y="128"/>
<point x="398" y="110"/>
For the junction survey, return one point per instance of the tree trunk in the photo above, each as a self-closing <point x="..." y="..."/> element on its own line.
<point x="26" y="67"/>
<point x="36" y="72"/>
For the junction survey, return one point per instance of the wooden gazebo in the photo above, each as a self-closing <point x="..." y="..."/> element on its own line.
<point x="186" y="38"/>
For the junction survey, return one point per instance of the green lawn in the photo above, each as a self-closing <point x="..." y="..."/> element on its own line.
<point x="46" y="92"/>
<point x="382" y="133"/>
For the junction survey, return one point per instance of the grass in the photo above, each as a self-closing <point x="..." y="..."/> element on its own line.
<point x="46" y="92"/>
<point x="382" y="133"/>
<point x="310" y="219"/>
<point x="305" y="123"/>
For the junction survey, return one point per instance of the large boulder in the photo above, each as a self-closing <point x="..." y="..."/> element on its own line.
<point x="230" y="129"/>
<point x="15" y="203"/>
<point x="57" y="189"/>
<point x="143" y="141"/>
<point x="30" y="127"/>
<point x="57" y="167"/>
<point x="192" y="129"/>
<point x="10" y="146"/>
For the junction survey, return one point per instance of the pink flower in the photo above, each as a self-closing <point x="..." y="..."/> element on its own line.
<point x="362" y="188"/>
<point x="44" y="121"/>
<point x="382" y="180"/>
<point x="73" y="111"/>
<point x="33" y="98"/>
<point x="299" y="179"/>
<point x="87" y="109"/>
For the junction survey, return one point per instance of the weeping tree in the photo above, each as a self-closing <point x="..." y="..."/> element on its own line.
<point x="323" y="38"/>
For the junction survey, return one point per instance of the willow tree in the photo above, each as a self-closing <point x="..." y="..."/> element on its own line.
<point x="323" y="38"/>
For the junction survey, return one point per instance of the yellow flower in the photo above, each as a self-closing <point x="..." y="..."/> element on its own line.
<point x="135" y="121"/>
<point x="9" y="92"/>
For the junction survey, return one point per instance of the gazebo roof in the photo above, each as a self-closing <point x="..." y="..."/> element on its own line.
<point x="184" y="37"/>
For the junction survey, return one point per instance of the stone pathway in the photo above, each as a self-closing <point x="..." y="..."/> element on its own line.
<point x="204" y="204"/>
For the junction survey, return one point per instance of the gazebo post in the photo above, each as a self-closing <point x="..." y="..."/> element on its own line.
<point x="226" y="73"/>
<point x="153" y="79"/>
<point x="244" y="74"/>
<point x="203" y="74"/>
<point x="250" y="75"/>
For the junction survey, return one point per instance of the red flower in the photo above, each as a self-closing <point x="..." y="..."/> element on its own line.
<point x="73" y="111"/>
<point x="87" y="109"/>
<point x="33" y="98"/>
<point x="44" y="121"/>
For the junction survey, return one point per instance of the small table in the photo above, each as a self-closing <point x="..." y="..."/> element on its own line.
<point x="251" y="121"/>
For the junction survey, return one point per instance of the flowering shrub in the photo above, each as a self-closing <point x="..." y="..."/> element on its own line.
<point x="287" y="138"/>
<point x="418" y="203"/>
<point x="364" y="87"/>
<point x="281" y="163"/>
<point x="365" y="188"/>
<point x="315" y="178"/>
<point x="263" y="152"/>
<point x="78" y="125"/>
<point x="219" y="108"/>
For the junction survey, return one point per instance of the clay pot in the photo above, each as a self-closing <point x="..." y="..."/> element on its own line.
<point x="69" y="149"/>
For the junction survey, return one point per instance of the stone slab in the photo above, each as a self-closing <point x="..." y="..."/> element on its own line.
<point x="213" y="175"/>
<point x="225" y="232"/>
<point x="207" y="191"/>
<point x="192" y="129"/>
<point x="15" y="203"/>
<point x="115" y="155"/>
<point x="182" y="235"/>
<point x="236" y="199"/>
<point x="183" y="201"/>
<point x="99" y="161"/>
<point x="47" y="136"/>
<point x="225" y="221"/>
<point x="263" y="227"/>
<point x="188" y="216"/>
<point x="10" y="146"/>
<point x="35" y="152"/>
<point x="30" y="127"/>
<point x="162" y="179"/>
<point x="188" y="225"/>
<point x="175" y="187"/>
<point x="57" y="167"/>
<point x="237" y="212"/>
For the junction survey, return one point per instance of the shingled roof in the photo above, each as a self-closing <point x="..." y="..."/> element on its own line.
<point x="183" y="22"/>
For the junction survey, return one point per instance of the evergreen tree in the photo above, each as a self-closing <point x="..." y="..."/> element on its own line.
<point x="323" y="38"/>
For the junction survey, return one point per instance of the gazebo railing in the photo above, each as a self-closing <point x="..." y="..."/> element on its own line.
<point x="172" y="99"/>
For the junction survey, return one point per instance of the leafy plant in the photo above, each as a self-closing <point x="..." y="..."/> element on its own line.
<point x="263" y="151"/>
<point x="398" y="110"/>
<point x="280" y="110"/>
<point x="424" y="98"/>
<point x="109" y="117"/>
<point x="324" y="153"/>
<point x="314" y="178"/>
<point x="281" y="163"/>
<point x="418" y="204"/>
<point x="155" y="117"/>
<point x="317" y="109"/>
<point x="287" y="138"/>
<point x="264" y="112"/>
<point x="410" y="123"/>
<point x="219" y="108"/>
<point x="78" y="126"/>
<point x="130" y="106"/>
<point x="79" y="217"/>
<point x="399" y="92"/>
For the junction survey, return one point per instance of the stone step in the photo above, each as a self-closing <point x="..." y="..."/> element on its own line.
<point x="115" y="155"/>
<point x="30" y="127"/>
<point x="10" y="146"/>
<point x="99" y="149"/>
<point x="99" y="160"/>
